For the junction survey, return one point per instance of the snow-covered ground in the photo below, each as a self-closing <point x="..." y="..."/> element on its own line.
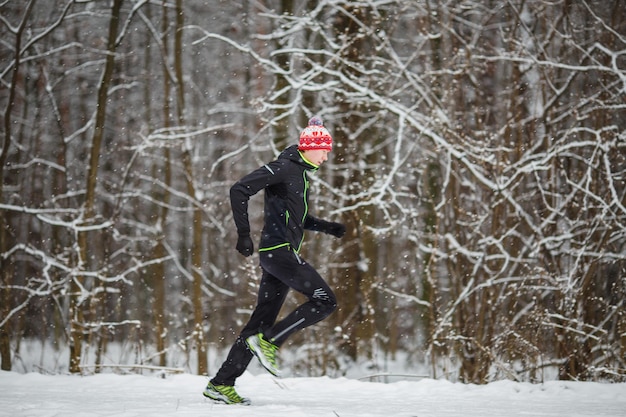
<point x="52" y="393"/>
<point x="37" y="395"/>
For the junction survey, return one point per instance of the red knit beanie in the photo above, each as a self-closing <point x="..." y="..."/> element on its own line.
<point x="315" y="136"/>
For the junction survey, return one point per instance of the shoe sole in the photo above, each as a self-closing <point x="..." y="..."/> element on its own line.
<point x="253" y="344"/>
<point x="219" y="397"/>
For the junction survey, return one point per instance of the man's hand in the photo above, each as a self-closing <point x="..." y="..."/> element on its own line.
<point x="336" y="229"/>
<point x="245" y="245"/>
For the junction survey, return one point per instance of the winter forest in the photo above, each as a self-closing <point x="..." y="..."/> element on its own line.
<point x="479" y="165"/>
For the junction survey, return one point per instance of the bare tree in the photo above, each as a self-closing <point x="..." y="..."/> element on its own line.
<point x="5" y="267"/>
<point x="77" y="297"/>
<point x="478" y="163"/>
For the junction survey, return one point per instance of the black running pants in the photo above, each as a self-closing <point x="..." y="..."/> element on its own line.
<point x="282" y="270"/>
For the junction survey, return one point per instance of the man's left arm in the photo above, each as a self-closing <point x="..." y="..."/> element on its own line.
<point x="319" y="225"/>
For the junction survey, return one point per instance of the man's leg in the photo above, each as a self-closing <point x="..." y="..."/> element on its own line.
<point x="302" y="277"/>
<point x="272" y="293"/>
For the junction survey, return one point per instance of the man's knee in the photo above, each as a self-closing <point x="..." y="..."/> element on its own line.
<point x="331" y="307"/>
<point x="325" y="302"/>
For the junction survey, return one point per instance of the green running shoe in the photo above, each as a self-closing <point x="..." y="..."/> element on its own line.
<point x="225" y="394"/>
<point x="265" y="351"/>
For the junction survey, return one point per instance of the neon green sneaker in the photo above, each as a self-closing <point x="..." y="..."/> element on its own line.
<point x="225" y="394"/>
<point x="265" y="351"/>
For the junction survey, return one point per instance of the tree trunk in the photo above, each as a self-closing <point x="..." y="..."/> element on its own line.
<point x="157" y="276"/>
<point x="196" y="239"/>
<point x="354" y="282"/>
<point x="281" y="129"/>
<point x="76" y="301"/>
<point x="5" y="267"/>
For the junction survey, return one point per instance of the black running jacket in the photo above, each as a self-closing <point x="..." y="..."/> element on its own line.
<point x="286" y="188"/>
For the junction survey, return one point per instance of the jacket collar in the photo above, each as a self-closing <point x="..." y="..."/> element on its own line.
<point x="293" y="154"/>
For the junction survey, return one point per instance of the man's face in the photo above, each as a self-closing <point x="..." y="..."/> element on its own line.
<point x="317" y="156"/>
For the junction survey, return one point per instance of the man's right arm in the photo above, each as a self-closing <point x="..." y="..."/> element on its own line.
<point x="240" y="194"/>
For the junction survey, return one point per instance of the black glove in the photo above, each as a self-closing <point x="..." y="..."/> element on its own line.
<point x="245" y="245"/>
<point x="336" y="229"/>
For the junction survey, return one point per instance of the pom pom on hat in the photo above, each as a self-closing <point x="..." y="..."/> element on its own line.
<point x="315" y="121"/>
<point x="315" y="136"/>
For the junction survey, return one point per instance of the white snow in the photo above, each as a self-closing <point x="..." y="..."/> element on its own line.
<point x="110" y="394"/>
